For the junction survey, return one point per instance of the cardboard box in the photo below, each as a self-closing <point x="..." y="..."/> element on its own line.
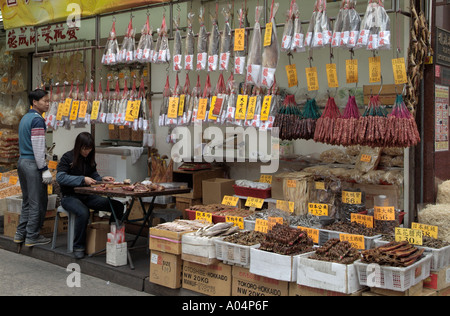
<point x="327" y="275"/>
<point x="213" y="280"/>
<point x="165" y="241"/>
<point x="183" y="204"/>
<point x="302" y="290"/>
<point x="438" y="280"/>
<point x="116" y="254"/>
<point x="11" y="220"/>
<point x="415" y="290"/>
<point x="245" y="283"/>
<point x="444" y="292"/>
<point x="194" y="180"/>
<point x="166" y="269"/>
<point x="96" y="237"/>
<point x="272" y="265"/>
<point x="215" y="189"/>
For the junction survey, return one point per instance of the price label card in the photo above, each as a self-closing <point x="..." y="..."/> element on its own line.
<point x="74" y="110"/>
<point x="366" y="158"/>
<point x="181" y="105"/>
<point x="265" y="178"/>
<point x="399" y="68"/>
<point x="132" y="111"/>
<point x="374" y="69"/>
<point x="413" y="236"/>
<point x="236" y="220"/>
<point x="1" y="176"/>
<point x="351" y="67"/>
<point x="357" y="241"/>
<point x="312" y="79"/>
<point x="272" y="221"/>
<point x="285" y="206"/>
<point x="365" y="220"/>
<point x="318" y="209"/>
<point x="351" y="197"/>
<point x="59" y="114"/>
<point x="172" y="111"/>
<point x="251" y="108"/>
<point x="83" y="109"/>
<point x="202" y="105"/>
<point x="203" y="216"/>
<point x="67" y="104"/>
<point x="384" y="213"/>
<point x="49" y="189"/>
<point x="95" y="110"/>
<point x="239" y="40"/>
<point x="261" y="225"/>
<point x="332" y="76"/>
<point x="265" y="109"/>
<point x="241" y="107"/>
<point x="291" y="183"/>
<point x="52" y="165"/>
<point x="291" y="72"/>
<point x="254" y="202"/>
<point x="428" y="230"/>
<point x="230" y="200"/>
<point x="268" y="35"/>
<point x="13" y="180"/>
<point x="312" y="233"/>
<point x="320" y="185"/>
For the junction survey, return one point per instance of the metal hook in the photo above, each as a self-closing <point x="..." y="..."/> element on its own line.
<point x="381" y="85"/>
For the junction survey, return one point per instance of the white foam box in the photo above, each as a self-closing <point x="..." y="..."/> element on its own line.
<point x="272" y="265"/>
<point x="198" y="249"/>
<point x="116" y="254"/>
<point x="330" y="276"/>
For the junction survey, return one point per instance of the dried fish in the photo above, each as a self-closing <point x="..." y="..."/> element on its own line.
<point x="298" y="44"/>
<point x="239" y="58"/>
<point x="190" y="44"/>
<point x="271" y="52"/>
<point x="202" y="44"/>
<point x="226" y="40"/>
<point x="177" y="50"/>
<point x="288" y="33"/>
<point x="112" y="48"/>
<point x="214" y="43"/>
<point x="144" y="51"/>
<point x="254" y="62"/>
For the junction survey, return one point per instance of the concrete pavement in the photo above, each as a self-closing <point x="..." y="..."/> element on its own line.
<point x="26" y="276"/>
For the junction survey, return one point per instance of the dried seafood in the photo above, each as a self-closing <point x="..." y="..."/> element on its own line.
<point x="246" y="238"/>
<point x="397" y="254"/>
<point x="337" y="251"/>
<point x="286" y="240"/>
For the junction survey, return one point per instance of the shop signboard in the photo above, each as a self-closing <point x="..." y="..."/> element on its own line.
<point x="442" y="117"/>
<point x="21" y="13"/>
<point x="442" y="47"/>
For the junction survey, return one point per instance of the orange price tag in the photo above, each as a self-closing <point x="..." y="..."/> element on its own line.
<point x="312" y="233"/>
<point x="365" y="220"/>
<point x="52" y="165"/>
<point x="351" y="67"/>
<point x="239" y="40"/>
<point x="357" y="241"/>
<point x="384" y="213"/>
<point x="332" y="76"/>
<point x="261" y="225"/>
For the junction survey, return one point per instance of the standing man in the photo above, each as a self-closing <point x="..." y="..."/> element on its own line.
<point x="33" y="171"/>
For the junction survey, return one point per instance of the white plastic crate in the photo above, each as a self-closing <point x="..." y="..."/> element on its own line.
<point x="15" y="203"/>
<point x="233" y="254"/>
<point x="440" y="257"/>
<point x="393" y="278"/>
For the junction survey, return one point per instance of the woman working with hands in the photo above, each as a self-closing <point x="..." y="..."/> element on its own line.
<point x="78" y="168"/>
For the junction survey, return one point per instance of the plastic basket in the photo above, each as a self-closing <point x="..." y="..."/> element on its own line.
<point x="440" y="258"/>
<point x="393" y="278"/>
<point x="257" y="193"/>
<point x="233" y="254"/>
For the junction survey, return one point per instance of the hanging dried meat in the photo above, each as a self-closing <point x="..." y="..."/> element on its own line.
<point x="267" y="120"/>
<point x="195" y="99"/>
<point x="163" y="51"/>
<point x="322" y="32"/>
<point x="401" y="127"/>
<point x="165" y="103"/>
<point x="326" y="131"/>
<point x="254" y="62"/>
<point x="202" y="44"/>
<point x="144" y="51"/>
<point x="177" y="50"/>
<point x="288" y="119"/>
<point x="214" y="42"/>
<point x="288" y="32"/>
<point x="271" y="52"/>
<point x="226" y="44"/>
<point x="375" y="27"/>
<point x="347" y="124"/>
<point x="298" y="44"/>
<point x="184" y="113"/>
<point x="190" y="44"/>
<point x="230" y="110"/>
<point x="126" y="53"/>
<point x="372" y="125"/>
<point x="112" y="48"/>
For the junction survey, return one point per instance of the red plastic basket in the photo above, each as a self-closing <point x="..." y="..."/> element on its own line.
<point x="257" y="193"/>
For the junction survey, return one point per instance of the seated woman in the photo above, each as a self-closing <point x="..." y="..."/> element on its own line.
<point x="78" y="168"/>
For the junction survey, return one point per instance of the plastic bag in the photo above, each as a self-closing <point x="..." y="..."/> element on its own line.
<point x="232" y="98"/>
<point x="288" y="32"/>
<point x="177" y="50"/>
<point x="254" y="64"/>
<point x="351" y="25"/>
<point x="111" y="52"/>
<point x="163" y="49"/>
<point x="202" y="44"/>
<point x="267" y="124"/>
<point x="194" y="101"/>
<point x="218" y="101"/>
<point x="298" y="40"/>
<point x="271" y="53"/>
<point x="239" y="56"/>
<point x="226" y="41"/>
<point x="214" y="44"/>
<point x="165" y="103"/>
<point x="50" y="117"/>
<point x="184" y="113"/>
<point x="126" y="53"/>
<point x="176" y="93"/>
<point x="190" y="44"/>
<point x="322" y="32"/>
<point x="144" y="51"/>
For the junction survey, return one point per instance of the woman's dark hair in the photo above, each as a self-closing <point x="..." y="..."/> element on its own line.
<point x="84" y="141"/>
<point x="36" y="95"/>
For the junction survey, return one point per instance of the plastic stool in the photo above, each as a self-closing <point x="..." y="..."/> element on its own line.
<point x="165" y="215"/>
<point x="70" y="228"/>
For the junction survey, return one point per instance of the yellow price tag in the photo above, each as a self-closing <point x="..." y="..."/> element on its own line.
<point x="291" y="183"/>
<point x="351" y="197"/>
<point x="265" y="178"/>
<point x="291" y="72"/>
<point x="236" y="220"/>
<point x="239" y="40"/>
<point x="332" y="76"/>
<point x="49" y="189"/>
<point x="312" y="79"/>
<point x="83" y="109"/>
<point x="52" y="165"/>
<point x="214" y="101"/>
<point x="1" y="176"/>
<point x="182" y="104"/>
<point x="254" y="202"/>
<point x="132" y="111"/>
<point x="203" y="216"/>
<point x="285" y="206"/>
<point x="384" y="213"/>
<point x="59" y="114"/>
<point x="172" y="111"/>
<point x="365" y="220"/>
<point x="413" y="236"/>
<point x="241" y="107"/>
<point x="312" y="233"/>
<point x="202" y="105"/>
<point x="261" y="225"/>
<point x="428" y="230"/>
<point x="265" y="109"/>
<point x="318" y="209"/>
<point x="251" y="108"/>
<point x="399" y="68"/>
<point x="13" y="180"/>
<point x="320" y="185"/>
<point x="74" y="110"/>
<point x="230" y="200"/>
<point x="268" y="35"/>
<point x="366" y="158"/>
<point x="357" y="241"/>
<point x="95" y="110"/>
<point x="351" y="67"/>
<point x="272" y="221"/>
<point x="374" y="69"/>
<point x="66" y="109"/>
